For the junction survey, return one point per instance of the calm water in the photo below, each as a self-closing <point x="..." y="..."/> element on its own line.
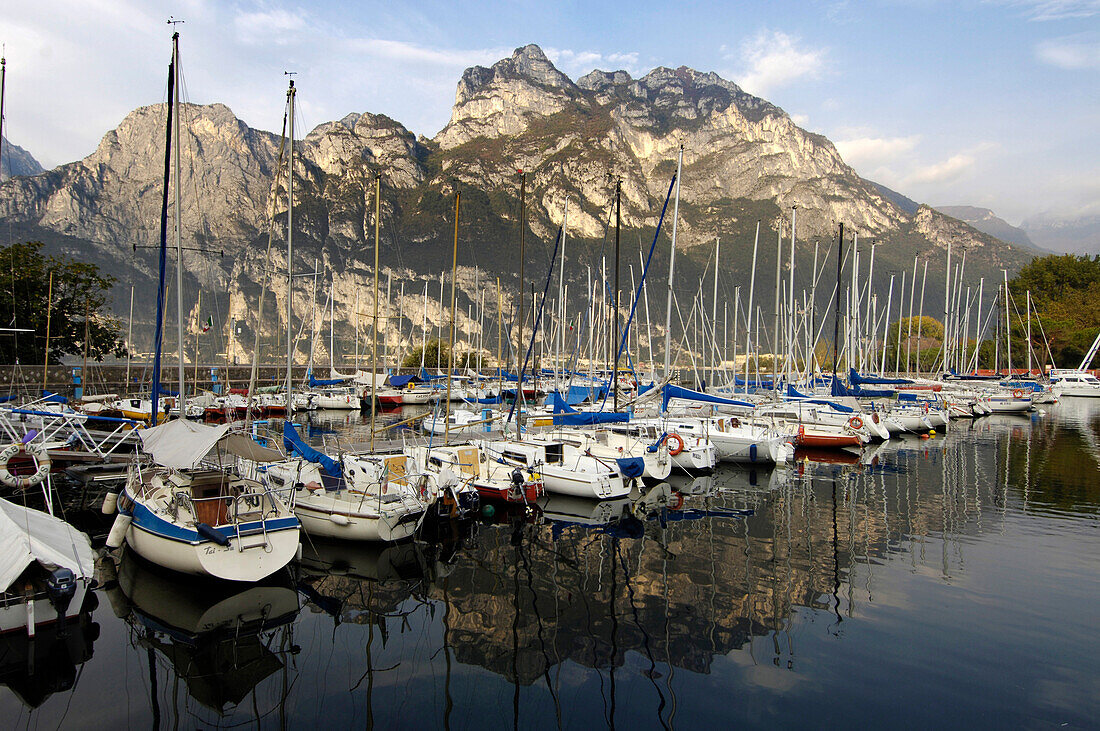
<point x="949" y="582"/>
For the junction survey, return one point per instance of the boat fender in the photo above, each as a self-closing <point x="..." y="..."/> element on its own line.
<point x="752" y="452"/>
<point x="118" y="530"/>
<point x="339" y="519"/>
<point x="110" y="503"/>
<point x="298" y="553"/>
<point x="37" y="453"/>
<point x="211" y="534"/>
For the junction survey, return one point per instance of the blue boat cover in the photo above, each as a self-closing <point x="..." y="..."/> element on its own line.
<point x="9" y="397"/>
<point x="295" y="445"/>
<point x="858" y="379"/>
<point x="631" y="467"/>
<point x="54" y="398"/>
<point x="402" y="381"/>
<point x="315" y="382"/>
<point x="670" y="392"/>
<point x="564" y="414"/>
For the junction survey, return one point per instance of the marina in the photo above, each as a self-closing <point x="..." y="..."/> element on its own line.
<point x="622" y="401"/>
<point x="823" y="590"/>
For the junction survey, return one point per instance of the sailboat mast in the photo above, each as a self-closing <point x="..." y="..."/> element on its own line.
<point x="748" y="311"/>
<point x="672" y="262"/>
<point x="451" y="336"/>
<point x="790" y="296"/>
<point x="519" y="315"/>
<point x="374" y="326"/>
<point x="3" y="78"/>
<point x="179" y="233"/>
<point x="836" y="309"/>
<point x="129" y="339"/>
<point x="615" y="299"/>
<point x="158" y="336"/>
<point x="290" y="94"/>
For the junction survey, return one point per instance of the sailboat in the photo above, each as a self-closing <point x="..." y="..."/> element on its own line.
<point x="197" y="509"/>
<point x="191" y="508"/>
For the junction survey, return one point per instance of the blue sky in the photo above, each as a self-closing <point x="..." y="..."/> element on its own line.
<point x="993" y="103"/>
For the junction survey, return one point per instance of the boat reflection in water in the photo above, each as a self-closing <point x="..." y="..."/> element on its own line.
<point x="221" y="639"/>
<point x="34" y="668"/>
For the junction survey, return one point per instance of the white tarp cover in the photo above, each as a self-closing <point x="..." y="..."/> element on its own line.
<point x="30" y="535"/>
<point x="182" y="445"/>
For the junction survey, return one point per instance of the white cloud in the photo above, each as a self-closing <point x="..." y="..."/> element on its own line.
<point x="773" y="59"/>
<point x="1076" y="52"/>
<point x="578" y="63"/>
<point x="802" y="120"/>
<point x="1044" y="10"/>
<point x="945" y="171"/>
<point x="875" y="152"/>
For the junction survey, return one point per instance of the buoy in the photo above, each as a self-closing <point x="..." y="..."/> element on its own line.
<point x="42" y="465"/>
<point x="110" y="503"/>
<point x="488" y="511"/>
<point x="339" y="519"/>
<point x="931" y="432"/>
<point x="925" y="436"/>
<point x="118" y="530"/>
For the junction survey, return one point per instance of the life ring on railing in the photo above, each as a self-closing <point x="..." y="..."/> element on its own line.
<point x="1018" y="393"/>
<point x="41" y="458"/>
<point x="679" y="444"/>
<point x="856" y="423"/>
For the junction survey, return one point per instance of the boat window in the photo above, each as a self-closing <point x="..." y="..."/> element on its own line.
<point x="553" y="453"/>
<point x="514" y="456"/>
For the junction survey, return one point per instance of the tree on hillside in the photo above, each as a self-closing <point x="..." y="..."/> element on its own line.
<point x="1065" y="292"/>
<point x="437" y="355"/>
<point x="76" y="305"/>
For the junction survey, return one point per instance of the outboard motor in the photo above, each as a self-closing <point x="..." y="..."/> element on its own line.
<point x="61" y="588"/>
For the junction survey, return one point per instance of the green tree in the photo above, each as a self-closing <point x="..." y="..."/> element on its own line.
<point x="437" y="355"/>
<point x="76" y="304"/>
<point x="1065" y="292"/>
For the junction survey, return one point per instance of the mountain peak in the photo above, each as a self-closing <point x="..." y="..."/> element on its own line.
<point x="16" y="161"/>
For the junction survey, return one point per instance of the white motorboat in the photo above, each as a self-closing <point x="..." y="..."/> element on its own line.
<point x="1074" y="383"/>
<point x="46" y="568"/>
<point x="565" y="470"/>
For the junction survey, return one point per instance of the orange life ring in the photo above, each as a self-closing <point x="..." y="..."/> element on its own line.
<point x="678" y="501"/>
<point x="1018" y="393"/>
<point x="855" y="422"/>
<point x="679" y="446"/>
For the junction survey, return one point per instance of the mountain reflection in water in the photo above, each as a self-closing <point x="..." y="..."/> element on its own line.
<point x="949" y="581"/>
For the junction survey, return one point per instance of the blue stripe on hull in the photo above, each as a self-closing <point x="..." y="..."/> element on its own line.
<point x="146" y="520"/>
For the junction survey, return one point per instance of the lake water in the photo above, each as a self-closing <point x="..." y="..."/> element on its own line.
<point x="945" y="582"/>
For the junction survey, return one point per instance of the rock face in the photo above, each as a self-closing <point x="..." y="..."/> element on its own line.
<point x="745" y="161"/>
<point x="14" y="160"/>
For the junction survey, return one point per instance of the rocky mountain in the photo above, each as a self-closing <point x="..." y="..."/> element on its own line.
<point x="14" y="160"/>
<point x="988" y="222"/>
<point x="745" y="161"/>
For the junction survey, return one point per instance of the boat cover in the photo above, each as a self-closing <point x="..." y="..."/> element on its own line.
<point x="564" y="414"/>
<point x="859" y="379"/>
<point x="402" y="381"/>
<point x="670" y="392"/>
<point x="294" y="443"/>
<point x="181" y="444"/>
<point x="315" y="382"/>
<point x="28" y="535"/>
